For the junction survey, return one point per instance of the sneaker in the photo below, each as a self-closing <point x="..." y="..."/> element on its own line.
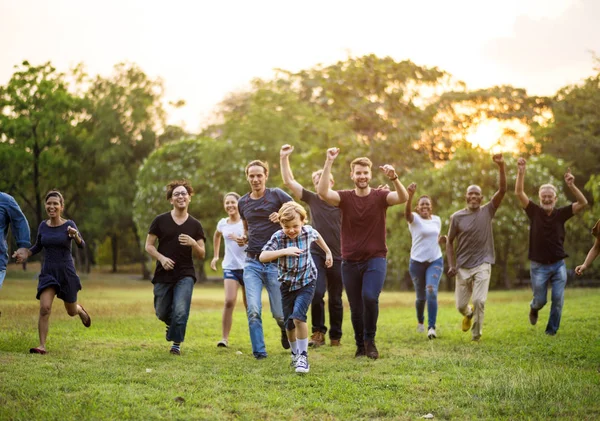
<point x="302" y="365"/>
<point x="550" y="333"/>
<point x="420" y="328"/>
<point x="294" y="360"/>
<point x="222" y="343"/>
<point x="431" y="333"/>
<point x="533" y="316"/>
<point x="260" y="356"/>
<point x="335" y="342"/>
<point x="175" y="351"/>
<point x="284" y="340"/>
<point x="467" y="320"/>
<point x="317" y="339"/>
<point x="360" y="352"/>
<point x="371" y="350"/>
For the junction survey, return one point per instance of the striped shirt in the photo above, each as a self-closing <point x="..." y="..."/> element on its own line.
<point x="295" y="271"/>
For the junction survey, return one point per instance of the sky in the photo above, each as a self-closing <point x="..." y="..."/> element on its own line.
<point x="204" y="50"/>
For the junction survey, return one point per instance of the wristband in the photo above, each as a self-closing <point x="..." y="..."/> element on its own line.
<point x="394" y="179"/>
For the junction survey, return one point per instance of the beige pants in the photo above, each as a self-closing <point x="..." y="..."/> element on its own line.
<point x="473" y="282"/>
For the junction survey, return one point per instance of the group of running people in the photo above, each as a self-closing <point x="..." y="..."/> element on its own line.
<point x="267" y="243"/>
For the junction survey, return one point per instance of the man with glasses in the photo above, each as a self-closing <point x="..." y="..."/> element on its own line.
<point x="179" y="237"/>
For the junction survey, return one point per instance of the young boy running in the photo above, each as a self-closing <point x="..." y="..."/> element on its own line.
<point x="297" y="274"/>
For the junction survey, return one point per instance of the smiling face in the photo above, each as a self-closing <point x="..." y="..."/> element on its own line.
<point x="256" y="178"/>
<point x="180" y="199"/>
<point x="231" y="205"/>
<point x="292" y="227"/>
<point x="547" y="198"/>
<point x="361" y="175"/>
<point x="424" y="208"/>
<point x="473" y="197"/>
<point x="53" y="206"/>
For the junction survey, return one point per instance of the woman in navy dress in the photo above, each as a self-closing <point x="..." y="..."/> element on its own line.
<point x="58" y="277"/>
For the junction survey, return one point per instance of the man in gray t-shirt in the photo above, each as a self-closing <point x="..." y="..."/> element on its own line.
<point x="471" y="261"/>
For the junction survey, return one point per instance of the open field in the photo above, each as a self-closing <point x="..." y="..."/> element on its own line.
<point x="120" y="368"/>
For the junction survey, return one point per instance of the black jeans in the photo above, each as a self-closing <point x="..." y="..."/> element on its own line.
<point x="329" y="279"/>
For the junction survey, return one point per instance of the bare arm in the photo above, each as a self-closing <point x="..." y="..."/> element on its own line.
<point x="450" y="251"/>
<point x="243" y="240"/>
<point x="499" y="195"/>
<point x="270" y="255"/>
<point x="216" y="249"/>
<point x="591" y="256"/>
<point x="324" y="188"/>
<point x="286" y="172"/>
<point x="581" y="200"/>
<point x="150" y="247"/>
<point x="412" y="188"/>
<point x="520" y="183"/>
<point x="198" y="249"/>
<point x="328" y="256"/>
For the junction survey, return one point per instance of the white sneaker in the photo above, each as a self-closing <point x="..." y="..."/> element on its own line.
<point x="420" y="328"/>
<point x="302" y="365"/>
<point x="431" y="333"/>
<point x="294" y="360"/>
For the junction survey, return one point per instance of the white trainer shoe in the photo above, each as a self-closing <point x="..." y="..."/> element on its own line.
<point x="420" y="328"/>
<point x="431" y="333"/>
<point x="294" y="360"/>
<point x="302" y="365"/>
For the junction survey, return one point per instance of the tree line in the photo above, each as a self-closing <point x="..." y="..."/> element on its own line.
<point x="104" y="142"/>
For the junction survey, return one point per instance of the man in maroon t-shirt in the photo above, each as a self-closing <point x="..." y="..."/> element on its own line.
<point x="363" y="242"/>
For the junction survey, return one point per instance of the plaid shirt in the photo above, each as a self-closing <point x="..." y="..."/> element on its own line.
<point x="295" y="271"/>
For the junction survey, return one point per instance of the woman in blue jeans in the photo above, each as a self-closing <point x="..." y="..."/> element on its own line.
<point x="426" y="261"/>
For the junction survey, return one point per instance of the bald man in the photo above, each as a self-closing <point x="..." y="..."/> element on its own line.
<point x="474" y="256"/>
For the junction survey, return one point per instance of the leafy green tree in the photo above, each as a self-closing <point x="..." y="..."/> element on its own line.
<point x="37" y="115"/>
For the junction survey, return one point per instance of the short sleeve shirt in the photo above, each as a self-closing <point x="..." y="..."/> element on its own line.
<point x="547" y="233"/>
<point x="425" y="234"/>
<point x="234" y="254"/>
<point x="474" y="234"/>
<point x="327" y="220"/>
<point x="167" y="231"/>
<point x="295" y="271"/>
<point x="363" y="224"/>
<point x="256" y="213"/>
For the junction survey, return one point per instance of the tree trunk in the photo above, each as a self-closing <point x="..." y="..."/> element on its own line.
<point x="141" y="256"/>
<point x="114" y="241"/>
<point x="87" y="259"/>
<point x="200" y="273"/>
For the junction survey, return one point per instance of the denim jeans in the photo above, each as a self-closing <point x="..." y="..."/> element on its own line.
<point x="2" y="276"/>
<point x="172" y="305"/>
<point x="295" y="303"/>
<point x="554" y="274"/>
<point x="329" y="279"/>
<point x="363" y="281"/>
<point x="426" y="279"/>
<point x="257" y="274"/>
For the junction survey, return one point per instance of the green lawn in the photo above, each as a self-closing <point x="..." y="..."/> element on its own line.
<point x="120" y="368"/>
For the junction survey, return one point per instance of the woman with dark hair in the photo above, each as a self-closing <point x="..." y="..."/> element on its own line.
<point x="230" y="229"/>
<point x="58" y="277"/>
<point x="426" y="261"/>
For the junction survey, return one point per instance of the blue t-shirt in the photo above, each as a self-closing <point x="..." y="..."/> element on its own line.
<point x="256" y="213"/>
<point x="11" y="215"/>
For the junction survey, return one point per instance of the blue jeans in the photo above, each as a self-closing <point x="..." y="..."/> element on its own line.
<point x="426" y="279"/>
<point x="2" y="276"/>
<point x="257" y="274"/>
<point x="329" y="279"/>
<point x="172" y="305"/>
<point x="295" y="303"/>
<point x="554" y="274"/>
<point x="363" y="281"/>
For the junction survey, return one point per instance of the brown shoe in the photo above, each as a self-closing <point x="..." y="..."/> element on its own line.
<point x="317" y="339"/>
<point x="335" y="342"/>
<point x="533" y="316"/>
<point x="371" y="350"/>
<point x="360" y="351"/>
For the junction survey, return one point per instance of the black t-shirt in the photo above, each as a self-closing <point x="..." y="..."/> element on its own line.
<point x="327" y="220"/>
<point x="256" y="213"/>
<point x="547" y="233"/>
<point x="167" y="231"/>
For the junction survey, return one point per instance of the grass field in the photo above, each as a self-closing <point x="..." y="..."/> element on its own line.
<point x="120" y="368"/>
